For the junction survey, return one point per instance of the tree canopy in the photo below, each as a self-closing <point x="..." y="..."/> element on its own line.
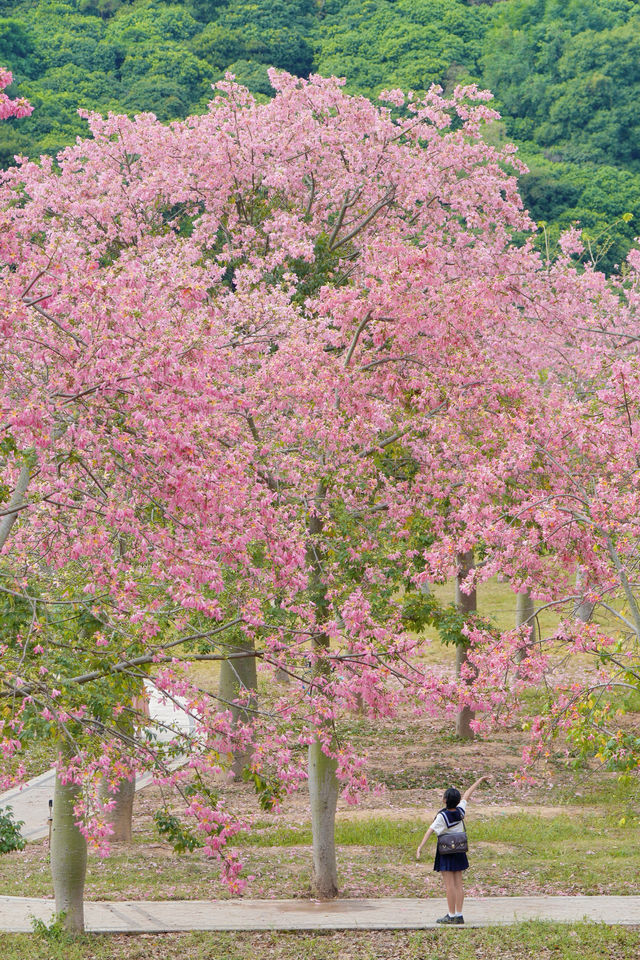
<point x="565" y="75"/>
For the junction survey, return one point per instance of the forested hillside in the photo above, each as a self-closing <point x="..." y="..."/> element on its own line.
<point x="565" y="73"/>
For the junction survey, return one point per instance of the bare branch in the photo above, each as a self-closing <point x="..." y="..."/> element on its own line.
<point x="56" y="323"/>
<point x="363" y="323"/>
<point x="385" y="202"/>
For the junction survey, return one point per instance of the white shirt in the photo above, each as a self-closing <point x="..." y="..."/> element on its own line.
<point x="439" y="825"/>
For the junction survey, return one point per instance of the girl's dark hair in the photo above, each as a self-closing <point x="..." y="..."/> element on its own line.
<point x="451" y="798"/>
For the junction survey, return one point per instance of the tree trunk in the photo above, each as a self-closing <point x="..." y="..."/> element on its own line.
<point x="68" y="857"/>
<point x="323" y="794"/>
<point x="121" y="816"/>
<point x="466" y="604"/>
<point x="12" y="509"/>
<point x="525" y="609"/>
<point x="239" y="680"/>
<point x="583" y="609"/>
<point x="323" y="782"/>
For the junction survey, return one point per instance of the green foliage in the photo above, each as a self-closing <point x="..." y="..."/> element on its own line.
<point x="18" y="48"/>
<point x="181" y="838"/>
<point x="66" y="638"/>
<point x="269" y="792"/>
<point x="422" y="610"/>
<point x="141" y="56"/>
<point x="567" y="76"/>
<point x="10" y="836"/>
<point x="253" y="75"/>
<point x="53" y="932"/>
<point x="410" y="43"/>
<point x="597" y="196"/>
<point x="263" y="32"/>
<point x="100" y="8"/>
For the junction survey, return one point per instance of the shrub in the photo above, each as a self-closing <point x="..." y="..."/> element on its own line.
<point x="10" y="835"/>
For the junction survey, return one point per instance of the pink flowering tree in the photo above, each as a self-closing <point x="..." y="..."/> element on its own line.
<point x="552" y="487"/>
<point x="588" y="513"/>
<point x="234" y="348"/>
<point x="8" y="107"/>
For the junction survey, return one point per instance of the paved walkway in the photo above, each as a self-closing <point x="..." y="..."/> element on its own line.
<point x="31" y="802"/>
<point x="129" y="916"/>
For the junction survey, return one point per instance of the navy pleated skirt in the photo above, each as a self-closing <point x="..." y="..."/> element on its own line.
<point x="450" y="861"/>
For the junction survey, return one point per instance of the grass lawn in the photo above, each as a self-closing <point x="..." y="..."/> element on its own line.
<point x="523" y="942"/>
<point x="518" y="854"/>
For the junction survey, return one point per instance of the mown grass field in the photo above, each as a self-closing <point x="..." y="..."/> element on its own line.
<point x="539" y="940"/>
<point x="516" y="854"/>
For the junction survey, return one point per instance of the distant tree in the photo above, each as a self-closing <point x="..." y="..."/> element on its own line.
<point x="17" y="48"/>
<point x="599" y="198"/>
<point x="19" y="107"/>
<point x="273" y="33"/>
<point x="409" y="43"/>
<point x="100" y="8"/>
<point x="568" y="76"/>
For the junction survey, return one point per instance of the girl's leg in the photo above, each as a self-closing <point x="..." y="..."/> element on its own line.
<point x="458" y="890"/>
<point x="449" y="884"/>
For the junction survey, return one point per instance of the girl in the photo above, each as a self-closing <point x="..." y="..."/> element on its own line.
<point x="450" y="820"/>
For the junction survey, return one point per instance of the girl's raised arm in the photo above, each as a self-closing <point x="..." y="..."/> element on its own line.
<point x="467" y="794"/>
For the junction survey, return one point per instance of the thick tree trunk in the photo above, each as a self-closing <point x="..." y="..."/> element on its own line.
<point x="121" y="816"/>
<point x="525" y="609"/>
<point x="466" y="603"/>
<point x="323" y="794"/>
<point x="68" y="857"/>
<point x="239" y="680"/>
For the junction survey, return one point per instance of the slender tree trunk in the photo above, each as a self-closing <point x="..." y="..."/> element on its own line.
<point x="13" y="507"/>
<point x="239" y="680"/>
<point x="282" y="676"/>
<point x="323" y="782"/>
<point x="68" y="857"/>
<point x="121" y="816"/>
<point x="583" y="609"/>
<point x="466" y="603"/>
<point x="525" y="609"/>
<point x="323" y="794"/>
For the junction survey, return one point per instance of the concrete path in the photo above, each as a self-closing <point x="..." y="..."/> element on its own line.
<point x="30" y="803"/>
<point x="129" y="916"/>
